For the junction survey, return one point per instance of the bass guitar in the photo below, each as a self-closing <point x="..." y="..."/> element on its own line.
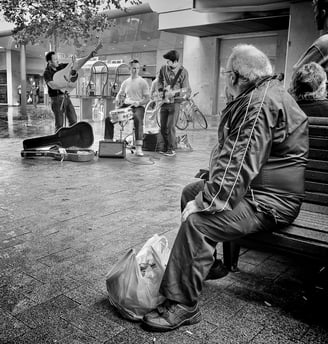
<point x="78" y="135"/>
<point x="66" y="78"/>
<point x="77" y="155"/>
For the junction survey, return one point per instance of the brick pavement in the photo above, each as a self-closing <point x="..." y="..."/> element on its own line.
<point x="63" y="225"/>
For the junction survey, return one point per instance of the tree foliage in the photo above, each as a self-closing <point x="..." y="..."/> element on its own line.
<point x="71" y="21"/>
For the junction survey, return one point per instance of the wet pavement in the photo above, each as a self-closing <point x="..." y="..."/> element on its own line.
<point x="64" y="225"/>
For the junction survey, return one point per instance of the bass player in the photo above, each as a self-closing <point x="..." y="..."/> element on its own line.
<point x="60" y="101"/>
<point x="172" y="77"/>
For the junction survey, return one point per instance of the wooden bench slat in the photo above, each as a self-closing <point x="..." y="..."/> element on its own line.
<point x="318" y="130"/>
<point x="283" y="243"/>
<point x="316" y="197"/>
<point x="314" y="220"/>
<point x="318" y="165"/>
<point x="314" y="208"/>
<point x="316" y="187"/>
<point x="318" y="176"/>
<point x="318" y="154"/>
<point x="314" y="120"/>
<point x="305" y="233"/>
<point x="318" y="142"/>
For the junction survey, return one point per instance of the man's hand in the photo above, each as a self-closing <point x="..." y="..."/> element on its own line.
<point x="190" y="208"/>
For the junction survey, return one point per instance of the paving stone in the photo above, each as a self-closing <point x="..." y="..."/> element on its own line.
<point x="10" y="327"/>
<point x="14" y="301"/>
<point x="78" y="337"/>
<point x="235" y="330"/>
<point x="315" y="335"/>
<point x="274" y="319"/>
<point x="47" y="312"/>
<point x="51" y="332"/>
<point x="269" y="336"/>
<point x="221" y="304"/>
<point x="255" y="257"/>
<point x="202" y="330"/>
<point x="131" y="336"/>
<point x="92" y="323"/>
<point x="86" y="296"/>
<point x="181" y="337"/>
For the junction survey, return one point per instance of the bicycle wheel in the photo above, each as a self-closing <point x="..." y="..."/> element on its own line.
<point x="200" y="118"/>
<point x="182" y="120"/>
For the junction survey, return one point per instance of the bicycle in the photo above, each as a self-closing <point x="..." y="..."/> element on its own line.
<point x="189" y="111"/>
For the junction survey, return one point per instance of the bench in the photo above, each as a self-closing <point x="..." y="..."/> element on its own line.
<point x="308" y="234"/>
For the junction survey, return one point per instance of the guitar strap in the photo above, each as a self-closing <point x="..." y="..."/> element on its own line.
<point x="176" y="77"/>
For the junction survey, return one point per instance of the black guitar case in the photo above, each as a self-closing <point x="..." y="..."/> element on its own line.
<point x="78" y="135"/>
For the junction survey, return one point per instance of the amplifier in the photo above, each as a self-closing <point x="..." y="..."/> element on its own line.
<point x="110" y="149"/>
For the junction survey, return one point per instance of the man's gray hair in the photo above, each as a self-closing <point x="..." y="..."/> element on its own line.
<point x="249" y="63"/>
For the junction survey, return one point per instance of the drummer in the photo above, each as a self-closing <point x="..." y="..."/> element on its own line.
<point x="134" y="92"/>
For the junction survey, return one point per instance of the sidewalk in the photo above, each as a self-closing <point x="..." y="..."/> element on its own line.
<point x="63" y="225"/>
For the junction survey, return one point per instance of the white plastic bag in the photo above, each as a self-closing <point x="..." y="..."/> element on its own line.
<point x="133" y="282"/>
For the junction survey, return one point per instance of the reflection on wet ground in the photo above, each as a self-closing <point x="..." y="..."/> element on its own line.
<point x="38" y="122"/>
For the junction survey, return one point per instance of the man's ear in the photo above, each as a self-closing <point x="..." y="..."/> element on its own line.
<point x="234" y="78"/>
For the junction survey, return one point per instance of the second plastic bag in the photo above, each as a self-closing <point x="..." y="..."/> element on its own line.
<point x="133" y="282"/>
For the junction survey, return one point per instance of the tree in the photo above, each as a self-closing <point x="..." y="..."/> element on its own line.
<point x="71" y="21"/>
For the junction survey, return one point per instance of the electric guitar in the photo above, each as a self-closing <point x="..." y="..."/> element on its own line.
<point x="169" y="95"/>
<point x="66" y="78"/>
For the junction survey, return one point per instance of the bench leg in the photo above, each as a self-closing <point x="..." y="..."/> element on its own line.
<point x="230" y="255"/>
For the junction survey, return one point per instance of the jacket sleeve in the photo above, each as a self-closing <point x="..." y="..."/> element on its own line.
<point x="313" y="54"/>
<point x="237" y="160"/>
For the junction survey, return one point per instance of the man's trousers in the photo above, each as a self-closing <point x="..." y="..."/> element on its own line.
<point x="192" y="253"/>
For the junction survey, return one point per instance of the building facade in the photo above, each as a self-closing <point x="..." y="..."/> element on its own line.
<point x="204" y="31"/>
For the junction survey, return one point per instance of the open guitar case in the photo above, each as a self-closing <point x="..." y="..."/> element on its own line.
<point x="70" y="143"/>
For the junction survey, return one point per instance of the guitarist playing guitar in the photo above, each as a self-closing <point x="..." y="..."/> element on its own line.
<point x="61" y="79"/>
<point x="173" y="81"/>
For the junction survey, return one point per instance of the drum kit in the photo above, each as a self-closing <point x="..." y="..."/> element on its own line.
<point x="121" y="115"/>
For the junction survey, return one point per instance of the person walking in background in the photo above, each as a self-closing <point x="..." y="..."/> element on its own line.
<point x="61" y="103"/>
<point x="35" y="94"/>
<point x="19" y="91"/>
<point x="309" y="88"/>
<point x="173" y="82"/>
<point x="133" y="92"/>
<point x="256" y="182"/>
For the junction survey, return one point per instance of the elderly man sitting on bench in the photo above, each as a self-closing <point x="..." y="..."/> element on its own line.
<point x="256" y="182"/>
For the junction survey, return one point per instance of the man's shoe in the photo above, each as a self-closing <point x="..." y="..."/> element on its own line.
<point x="218" y="270"/>
<point x="170" y="153"/>
<point x="171" y="315"/>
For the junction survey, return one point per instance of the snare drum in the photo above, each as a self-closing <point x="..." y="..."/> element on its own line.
<point x="120" y="115"/>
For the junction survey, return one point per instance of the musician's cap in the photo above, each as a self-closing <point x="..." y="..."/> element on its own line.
<point x="172" y="55"/>
<point x="49" y="55"/>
